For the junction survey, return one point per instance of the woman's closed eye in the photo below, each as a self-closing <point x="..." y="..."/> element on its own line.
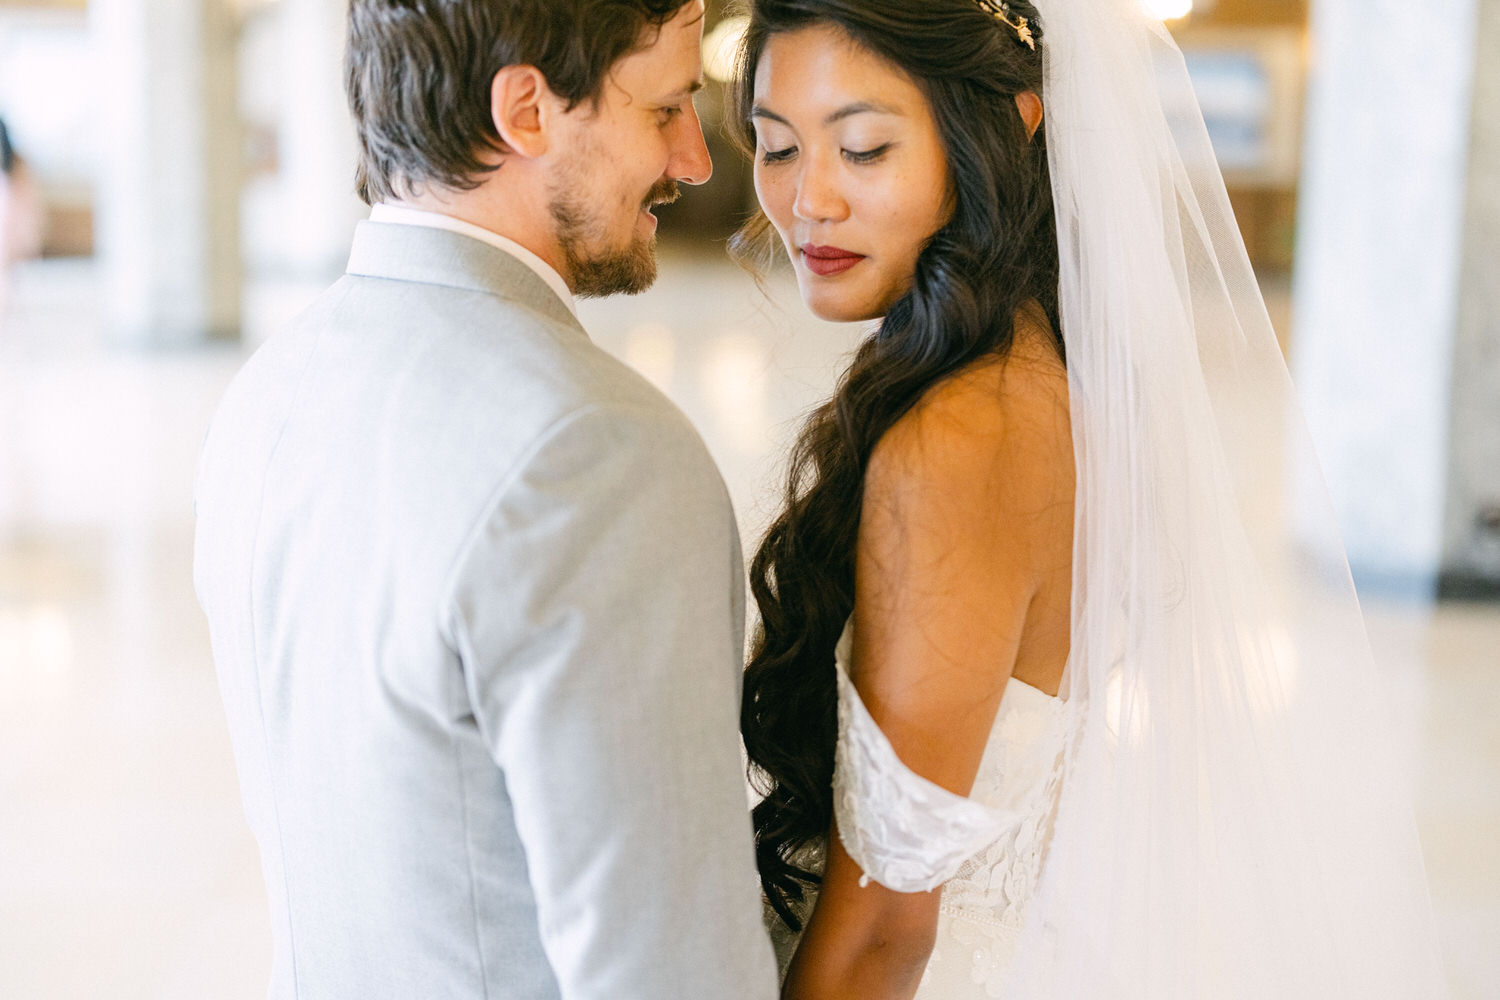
<point x="858" y="156"/>
<point x="867" y="155"/>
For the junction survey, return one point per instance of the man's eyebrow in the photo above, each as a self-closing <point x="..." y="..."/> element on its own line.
<point x="848" y="110"/>
<point x="682" y="93"/>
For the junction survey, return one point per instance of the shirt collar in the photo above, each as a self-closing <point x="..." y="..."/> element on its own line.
<point x="407" y="216"/>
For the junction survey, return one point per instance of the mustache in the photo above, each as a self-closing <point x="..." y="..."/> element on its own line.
<point x="663" y="192"/>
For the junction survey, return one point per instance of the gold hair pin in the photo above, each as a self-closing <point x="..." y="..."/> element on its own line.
<point x="1000" y="10"/>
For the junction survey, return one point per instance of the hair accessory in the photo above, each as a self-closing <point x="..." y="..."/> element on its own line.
<point x="1000" y="10"/>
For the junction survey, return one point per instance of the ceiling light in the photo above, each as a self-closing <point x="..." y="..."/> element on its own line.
<point x="1169" y="10"/>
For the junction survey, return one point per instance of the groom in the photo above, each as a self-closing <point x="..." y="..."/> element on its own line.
<point x="474" y="587"/>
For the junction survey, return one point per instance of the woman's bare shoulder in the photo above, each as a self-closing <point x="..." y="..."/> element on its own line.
<point x="998" y="423"/>
<point x="967" y="513"/>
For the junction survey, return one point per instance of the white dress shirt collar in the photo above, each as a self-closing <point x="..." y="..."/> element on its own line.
<point x="405" y="216"/>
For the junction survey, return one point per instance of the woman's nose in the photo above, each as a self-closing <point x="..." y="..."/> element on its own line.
<point x="819" y="198"/>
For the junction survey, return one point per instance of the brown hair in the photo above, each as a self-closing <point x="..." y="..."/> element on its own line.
<point x="417" y="74"/>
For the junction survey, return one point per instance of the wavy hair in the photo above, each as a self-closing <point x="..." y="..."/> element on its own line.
<point x="995" y="255"/>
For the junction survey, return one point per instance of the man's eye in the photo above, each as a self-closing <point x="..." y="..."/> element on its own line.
<point x="778" y="155"/>
<point x="664" y="116"/>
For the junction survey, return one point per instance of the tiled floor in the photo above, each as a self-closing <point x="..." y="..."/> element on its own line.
<point x="125" y="867"/>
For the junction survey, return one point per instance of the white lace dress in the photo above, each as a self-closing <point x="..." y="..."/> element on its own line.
<point x="986" y="851"/>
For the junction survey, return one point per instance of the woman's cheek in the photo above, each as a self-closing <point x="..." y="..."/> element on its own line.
<point x="764" y="190"/>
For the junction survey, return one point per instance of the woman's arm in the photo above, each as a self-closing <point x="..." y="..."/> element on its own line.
<point x="968" y="507"/>
<point x="862" y="943"/>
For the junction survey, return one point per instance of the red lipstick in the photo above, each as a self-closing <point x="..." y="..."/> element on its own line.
<point x="825" y="261"/>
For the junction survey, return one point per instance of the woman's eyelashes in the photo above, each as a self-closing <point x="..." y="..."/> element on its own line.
<point x="858" y="156"/>
<point x="867" y="155"/>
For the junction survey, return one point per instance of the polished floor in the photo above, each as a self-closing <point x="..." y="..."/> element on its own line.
<point x="126" y="870"/>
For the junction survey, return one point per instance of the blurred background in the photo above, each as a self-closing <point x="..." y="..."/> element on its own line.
<point x="179" y="183"/>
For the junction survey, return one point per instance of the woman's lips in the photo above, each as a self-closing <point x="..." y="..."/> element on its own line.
<point x="825" y="261"/>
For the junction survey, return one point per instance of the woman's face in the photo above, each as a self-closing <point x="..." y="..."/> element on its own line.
<point x="849" y="167"/>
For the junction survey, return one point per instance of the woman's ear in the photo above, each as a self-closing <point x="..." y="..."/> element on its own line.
<point x="1030" y="107"/>
<point x="520" y="109"/>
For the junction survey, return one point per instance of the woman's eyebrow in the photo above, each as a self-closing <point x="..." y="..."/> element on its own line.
<point x="848" y="110"/>
<point x="860" y="108"/>
<point x="758" y="111"/>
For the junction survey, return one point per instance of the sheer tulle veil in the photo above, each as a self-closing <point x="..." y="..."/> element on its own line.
<point x="1230" y="824"/>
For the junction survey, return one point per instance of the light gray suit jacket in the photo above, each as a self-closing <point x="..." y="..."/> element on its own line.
<point x="476" y="603"/>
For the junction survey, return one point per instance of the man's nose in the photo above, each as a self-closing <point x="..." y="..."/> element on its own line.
<point x="690" y="161"/>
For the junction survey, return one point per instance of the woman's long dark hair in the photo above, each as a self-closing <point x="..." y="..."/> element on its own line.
<point x="996" y="254"/>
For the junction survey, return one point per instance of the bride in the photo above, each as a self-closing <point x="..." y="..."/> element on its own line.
<point x="1054" y="695"/>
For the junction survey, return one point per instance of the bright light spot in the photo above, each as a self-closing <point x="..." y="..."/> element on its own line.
<point x="38" y="643"/>
<point x="651" y="349"/>
<point x="1169" y="10"/>
<point x="721" y="46"/>
<point x="51" y="641"/>
<point x="1126" y="713"/>
<point x="1270" y="670"/>
<point x="735" y="384"/>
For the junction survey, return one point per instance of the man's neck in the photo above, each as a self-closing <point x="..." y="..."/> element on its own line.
<point x="514" y="219"/>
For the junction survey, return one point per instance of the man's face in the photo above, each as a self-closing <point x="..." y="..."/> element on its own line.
<point x="627" y="154"/>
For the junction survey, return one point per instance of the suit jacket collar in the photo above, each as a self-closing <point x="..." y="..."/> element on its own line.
<point x="438" y="257"/>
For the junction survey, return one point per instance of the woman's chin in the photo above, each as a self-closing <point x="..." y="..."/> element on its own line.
<point x="842" y="308"/>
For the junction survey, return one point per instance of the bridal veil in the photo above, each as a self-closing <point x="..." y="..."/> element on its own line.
<point x="1231" y="824"/>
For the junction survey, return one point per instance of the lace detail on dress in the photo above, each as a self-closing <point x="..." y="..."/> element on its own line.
<point x="903" y="831"/>
<point x="986" y="851"/>
<point x="1022" y="770"/>
<point x="986" y="903"/>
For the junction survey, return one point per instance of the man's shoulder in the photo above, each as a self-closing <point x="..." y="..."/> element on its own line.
<point x="482" y="341"/>
<point x="444" y="383"/>
<point x="448" y="350"/>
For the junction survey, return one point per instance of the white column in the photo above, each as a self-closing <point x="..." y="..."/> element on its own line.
<point x="1378" y="261"/>
<point x="1471" y="538"/>
<point x="316" y="140"/>
<point x="169" y="170"/>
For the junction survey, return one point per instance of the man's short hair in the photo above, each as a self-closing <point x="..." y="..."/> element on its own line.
<point x="418" y="74"/>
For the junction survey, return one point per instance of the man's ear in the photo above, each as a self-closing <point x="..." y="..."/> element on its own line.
<point x="1030" y="107"/>
<point x="520" y="107"/>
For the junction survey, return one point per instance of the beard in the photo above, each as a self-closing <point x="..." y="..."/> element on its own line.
<point x="597" y="267"/>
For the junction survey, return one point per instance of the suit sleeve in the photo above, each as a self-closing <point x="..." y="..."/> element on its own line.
<point x="598" y="616"/>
